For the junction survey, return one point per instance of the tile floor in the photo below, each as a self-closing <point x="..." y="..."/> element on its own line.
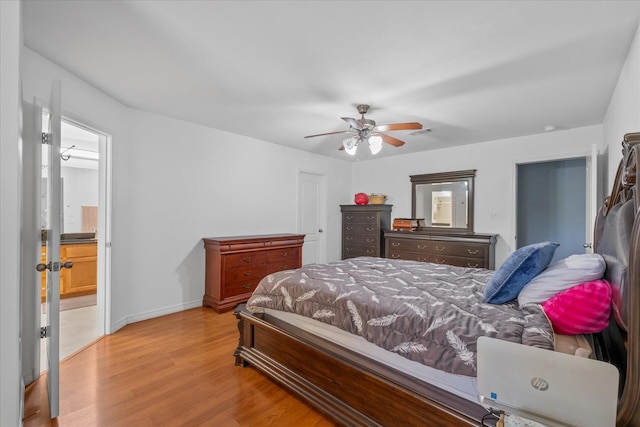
<point x="77" y="329"/>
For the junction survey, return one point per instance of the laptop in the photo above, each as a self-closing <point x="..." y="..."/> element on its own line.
<point x="552" y="388"/>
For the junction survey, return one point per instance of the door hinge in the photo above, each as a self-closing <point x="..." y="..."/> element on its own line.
<point x="43" y="235"/>
<point x="45" y="138"/>
<point x="45" y="331"/>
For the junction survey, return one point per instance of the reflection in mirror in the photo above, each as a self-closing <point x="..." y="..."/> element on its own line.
<point x="444" y="200"/>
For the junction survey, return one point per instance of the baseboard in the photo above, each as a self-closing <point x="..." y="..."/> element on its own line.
<point x="156" y="313"/>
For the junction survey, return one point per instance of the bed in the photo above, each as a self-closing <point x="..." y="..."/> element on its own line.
<point x="349" y="376"/>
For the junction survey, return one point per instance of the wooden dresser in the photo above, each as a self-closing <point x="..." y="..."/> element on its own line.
<point x="463" y="250"/>
<point x="234" y="265"/>
<point x="362" y="229"/>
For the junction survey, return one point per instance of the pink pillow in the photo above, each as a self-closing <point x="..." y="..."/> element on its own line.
<point x="581" y="309"/>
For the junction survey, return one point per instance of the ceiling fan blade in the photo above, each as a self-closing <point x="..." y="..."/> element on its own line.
<point x="328" y="133"/>
<point x="398" y="126"/>
<point x="352" y="122"/>
<point x="391" y="140"/>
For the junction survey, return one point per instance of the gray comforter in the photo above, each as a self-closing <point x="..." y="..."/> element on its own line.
<point x="429" y="313"/>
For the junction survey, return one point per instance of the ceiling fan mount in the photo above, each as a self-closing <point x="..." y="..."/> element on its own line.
<point x="365" y="130"/>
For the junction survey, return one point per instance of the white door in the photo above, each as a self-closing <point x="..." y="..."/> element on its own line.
<point x="312" y="216"/>
<point x="30" y="243"/>
<point x="51" y="224"/>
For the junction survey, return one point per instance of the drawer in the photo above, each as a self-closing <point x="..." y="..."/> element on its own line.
<point x="278" y="255"/>
<point x="457" y="261"/>
<point x="411" y="256"/>
<point x="360" y="229"/>
<point x="351" y="251"/>
<point x="361" y="240"/>
<point x="239" y="288"/>
<point x="360" y="218"/>
<point x="70" y="251"/>
<point x="240" y="274"/>
<point x="460" y="249"/>
<point x="245" y="259"/>
<point x="408" y="245"/>
<point x="281" y="265"/>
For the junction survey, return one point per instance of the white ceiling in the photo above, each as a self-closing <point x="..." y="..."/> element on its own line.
<point x="472" y="71"/>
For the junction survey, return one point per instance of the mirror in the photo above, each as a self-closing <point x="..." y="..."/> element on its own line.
<point x="444" y="200"/>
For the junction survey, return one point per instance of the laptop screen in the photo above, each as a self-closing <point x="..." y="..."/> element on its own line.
<point x="553" y="388"/>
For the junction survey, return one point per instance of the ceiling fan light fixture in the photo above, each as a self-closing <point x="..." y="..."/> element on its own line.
<point x="350" y="145"/>
<point x="375" y="144"/>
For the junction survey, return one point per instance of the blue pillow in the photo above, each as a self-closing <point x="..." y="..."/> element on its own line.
<point x="522" y="266"/>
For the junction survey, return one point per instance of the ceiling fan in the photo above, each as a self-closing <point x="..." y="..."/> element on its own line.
<point x="365" y="130"/>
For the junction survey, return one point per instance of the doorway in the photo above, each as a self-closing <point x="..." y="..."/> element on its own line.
<point x="83" y="201"/>
<point x="552" y="205"/>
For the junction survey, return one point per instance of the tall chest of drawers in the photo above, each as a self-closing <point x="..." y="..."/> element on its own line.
<point x="462" y="250"/>
<point x="362" y="229"/>
<point x="234" y="265"/>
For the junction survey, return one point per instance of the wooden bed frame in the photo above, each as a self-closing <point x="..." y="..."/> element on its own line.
<point x="355" y="390"/>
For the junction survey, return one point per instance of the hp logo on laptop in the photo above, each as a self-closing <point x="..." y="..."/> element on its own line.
<point x="539" y="384"/>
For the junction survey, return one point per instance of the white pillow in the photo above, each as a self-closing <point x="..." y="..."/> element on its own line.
<point x="562" y="275"/>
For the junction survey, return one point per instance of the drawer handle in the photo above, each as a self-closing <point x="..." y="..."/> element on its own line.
<point x="349" y="216"/>
<point x="284" y="267"/>
<point x="438" y="261"/>
<point x="473" y="252"/>
<point x="247" y="273"/>
<point x="247" y="259"/>
<point x="371" y="217"/>
<point x="422" y="259"/>
<point x="472" y="266"/>
<point x="349" y="238"/>
<point x="371" y="240"/>
<point x="246" y="286"/>
<point x="370" y="228"/>
<point x="349" y="249"/>
<point x="370" y="251"/>
<point x="422" y="246"/>
<point x="349" y="228"/>
<point x="440" y="249"/>
<point x="284" y="254"/>
<point x="395" y="244"/>
<point x="395" y="256"/>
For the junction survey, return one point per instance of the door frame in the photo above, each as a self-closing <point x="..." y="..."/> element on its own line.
<point x="592" y="196"/>
<point x="103" y="315"/>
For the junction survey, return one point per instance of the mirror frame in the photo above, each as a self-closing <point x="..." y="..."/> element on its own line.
<point x="434" y="178"/>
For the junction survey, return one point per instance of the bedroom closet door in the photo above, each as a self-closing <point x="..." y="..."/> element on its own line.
<point x="312" y="216"/>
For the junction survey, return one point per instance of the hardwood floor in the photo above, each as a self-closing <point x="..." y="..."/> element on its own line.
<point x="175" y="370"/>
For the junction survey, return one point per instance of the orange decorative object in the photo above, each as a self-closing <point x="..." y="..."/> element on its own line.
<point x="361" y="199"/>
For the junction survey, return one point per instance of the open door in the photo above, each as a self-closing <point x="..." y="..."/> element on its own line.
<point x="592" y="197"/>
<point x="50" y="226"/>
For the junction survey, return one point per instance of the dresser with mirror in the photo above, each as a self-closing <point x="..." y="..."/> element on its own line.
<point x="443" y="202"/>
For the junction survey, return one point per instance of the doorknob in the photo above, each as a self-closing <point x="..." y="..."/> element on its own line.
<point x="42" y="267"/>
<point x="587" y="245"/>
<point x="320" y="230"/>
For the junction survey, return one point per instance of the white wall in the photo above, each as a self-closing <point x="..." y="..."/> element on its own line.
<point x="176" y="182"/>
<point x="495" y="176"/>
<point x="623" y="114"/>
<point x="10" y="129"/>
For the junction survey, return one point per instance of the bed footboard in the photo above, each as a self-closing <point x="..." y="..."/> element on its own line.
<point x="346" y="386"/>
